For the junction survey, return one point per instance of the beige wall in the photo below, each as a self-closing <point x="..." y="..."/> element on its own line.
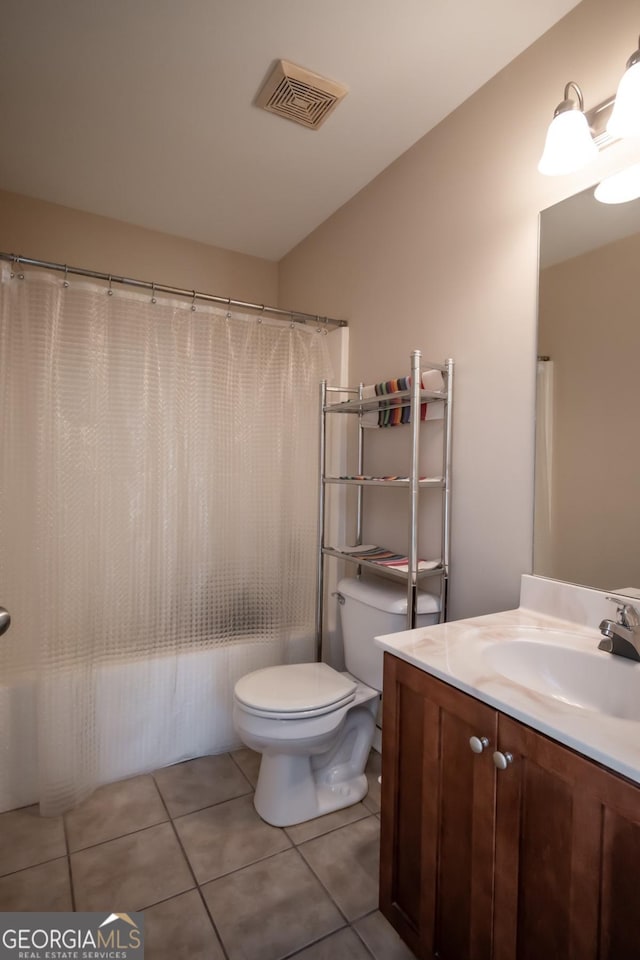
<point x="440" y="252"/>
<point x="589" y="327"/>
<point x="47" y="231"/>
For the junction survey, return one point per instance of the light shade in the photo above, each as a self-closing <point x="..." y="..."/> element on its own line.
<point x="569" y="144"/>
<point x="620" y="187"/>
<point x="625" y="119"/>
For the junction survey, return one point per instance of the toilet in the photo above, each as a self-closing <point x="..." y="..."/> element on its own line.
<point x="314" y="725"/>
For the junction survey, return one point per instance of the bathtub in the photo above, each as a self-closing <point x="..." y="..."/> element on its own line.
<point x="149" y="714"/>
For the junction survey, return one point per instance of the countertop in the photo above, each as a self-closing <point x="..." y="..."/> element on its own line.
<point x="462" y="653"/>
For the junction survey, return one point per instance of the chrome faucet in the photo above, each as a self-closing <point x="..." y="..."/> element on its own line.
<point x="622" y="635"/>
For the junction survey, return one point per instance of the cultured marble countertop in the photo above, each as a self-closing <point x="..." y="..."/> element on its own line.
<point x="462" y="653"/>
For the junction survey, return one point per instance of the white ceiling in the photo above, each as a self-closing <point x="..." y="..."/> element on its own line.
<point x="143" y="110"/>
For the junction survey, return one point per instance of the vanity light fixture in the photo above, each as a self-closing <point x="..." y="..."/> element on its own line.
<point x="569" y="144"/>
<point x="620" y="187"/>
<point x="625" y="119"/>
<point x="575" y="135"/>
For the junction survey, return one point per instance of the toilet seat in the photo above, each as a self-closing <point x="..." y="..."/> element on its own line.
<point x="294" y="691"/>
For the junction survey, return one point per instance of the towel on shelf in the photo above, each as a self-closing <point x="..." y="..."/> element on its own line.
<point x="362" y="476"/>
<point x="393" y="413"/>
<point x="370" y="417"/>
<point x="434" y="381"/>
<point x="362" y="548"/>
<point x="386" y="558"/>
<point x="402" y="564"/>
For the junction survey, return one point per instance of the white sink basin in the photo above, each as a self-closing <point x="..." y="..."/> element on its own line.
<point x="563" y="666"/>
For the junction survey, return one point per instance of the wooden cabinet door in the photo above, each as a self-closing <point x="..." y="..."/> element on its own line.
<point x="567" y="854"/>
<point x="437" y="830"/>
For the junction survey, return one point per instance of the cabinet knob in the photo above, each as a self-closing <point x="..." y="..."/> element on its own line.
<point x="502" y="760"/>
<point x="478" y="744"/>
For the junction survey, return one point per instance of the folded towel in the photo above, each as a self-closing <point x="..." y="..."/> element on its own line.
<point x="403" y="564"/>
<point x="361" y="476"/>
<point x="370" y="418"/>
<point x="397" y="410"/>
<point x="386" y="558"/>
<point x="434" y="381"/>
<point x="362" y="548"/>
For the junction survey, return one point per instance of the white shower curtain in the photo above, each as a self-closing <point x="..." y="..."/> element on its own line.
<point x="158" y="477"/>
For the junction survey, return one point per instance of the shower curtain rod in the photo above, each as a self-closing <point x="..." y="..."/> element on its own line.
<point x="295" y="316"/>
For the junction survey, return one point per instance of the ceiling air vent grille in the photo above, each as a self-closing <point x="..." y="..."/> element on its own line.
<point x="300" y="95"/>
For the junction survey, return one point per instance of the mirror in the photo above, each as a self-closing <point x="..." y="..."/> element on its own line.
<point x="587" y="484"/>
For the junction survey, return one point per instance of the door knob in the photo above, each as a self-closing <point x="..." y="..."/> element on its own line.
<point x="5" y="620"/>
<point x="502" y="760"/>
<point x="478" y="744"/>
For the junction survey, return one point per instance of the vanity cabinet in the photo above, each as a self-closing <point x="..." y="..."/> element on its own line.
<point x="539" y="859"/>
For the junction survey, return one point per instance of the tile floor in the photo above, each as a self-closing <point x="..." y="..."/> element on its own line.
<point x="186" y="846"/>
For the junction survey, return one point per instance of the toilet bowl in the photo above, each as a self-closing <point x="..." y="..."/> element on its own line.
<point x="314" y="725"/>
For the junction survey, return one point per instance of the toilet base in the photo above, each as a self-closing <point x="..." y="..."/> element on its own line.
<point x="292" y="788"/>
<point x="303" y="804"/>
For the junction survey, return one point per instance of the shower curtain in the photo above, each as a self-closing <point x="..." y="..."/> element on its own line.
<point x="158" y="477"/>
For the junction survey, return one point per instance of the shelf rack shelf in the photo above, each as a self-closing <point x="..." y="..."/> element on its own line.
<point x="362" y="407"/>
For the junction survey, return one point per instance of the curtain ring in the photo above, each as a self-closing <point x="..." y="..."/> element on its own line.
<point x="65" y="282"/>
<point x="153" y="293"/>
<point x="293" y="322"/>
<point x="193" y="302"/>
<point x="110" y="291"/>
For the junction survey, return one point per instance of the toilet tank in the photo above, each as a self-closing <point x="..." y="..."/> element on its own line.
<point x="370" y="608"/>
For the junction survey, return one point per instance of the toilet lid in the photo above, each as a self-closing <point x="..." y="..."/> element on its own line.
<point x="295" y="690"/>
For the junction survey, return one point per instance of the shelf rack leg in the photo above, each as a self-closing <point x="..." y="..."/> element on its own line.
<point x="412" y="577"/>
<point x="321" y="510"/>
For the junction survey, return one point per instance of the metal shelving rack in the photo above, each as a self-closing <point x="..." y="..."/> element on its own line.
<point x="359" y="406"/>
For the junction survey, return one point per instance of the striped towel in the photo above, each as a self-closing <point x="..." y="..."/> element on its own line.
<point x="393" y="412"/>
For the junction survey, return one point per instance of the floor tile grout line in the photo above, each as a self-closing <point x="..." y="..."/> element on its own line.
<point x="350" y="922"/>
<point x="370" y="914"/>
<point x="326" y="833"/>
<point x="242" y="771"/>
<point x="250" y="787"/>
<point x="213" y="923"/>
<point x="251" y="863"/>
<point x="331" y="898"/>
<point x="32" y="866"/>
<point x="195" y="879"/>
<point x="208" y="806"/>
<point x="359" y="935"/>
<point x="297" y="953"/>
<point x="346" y="922"/>
<point x="69" y="870"/>
<point x="292" y="846"/>
<point x="174" y="896"/>
<point x="121" y="836"/>
<point x="179" y="842"/>
<point x="272" y="856"/>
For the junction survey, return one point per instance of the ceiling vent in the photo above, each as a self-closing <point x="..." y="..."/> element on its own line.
<point x="300" y="95"/>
